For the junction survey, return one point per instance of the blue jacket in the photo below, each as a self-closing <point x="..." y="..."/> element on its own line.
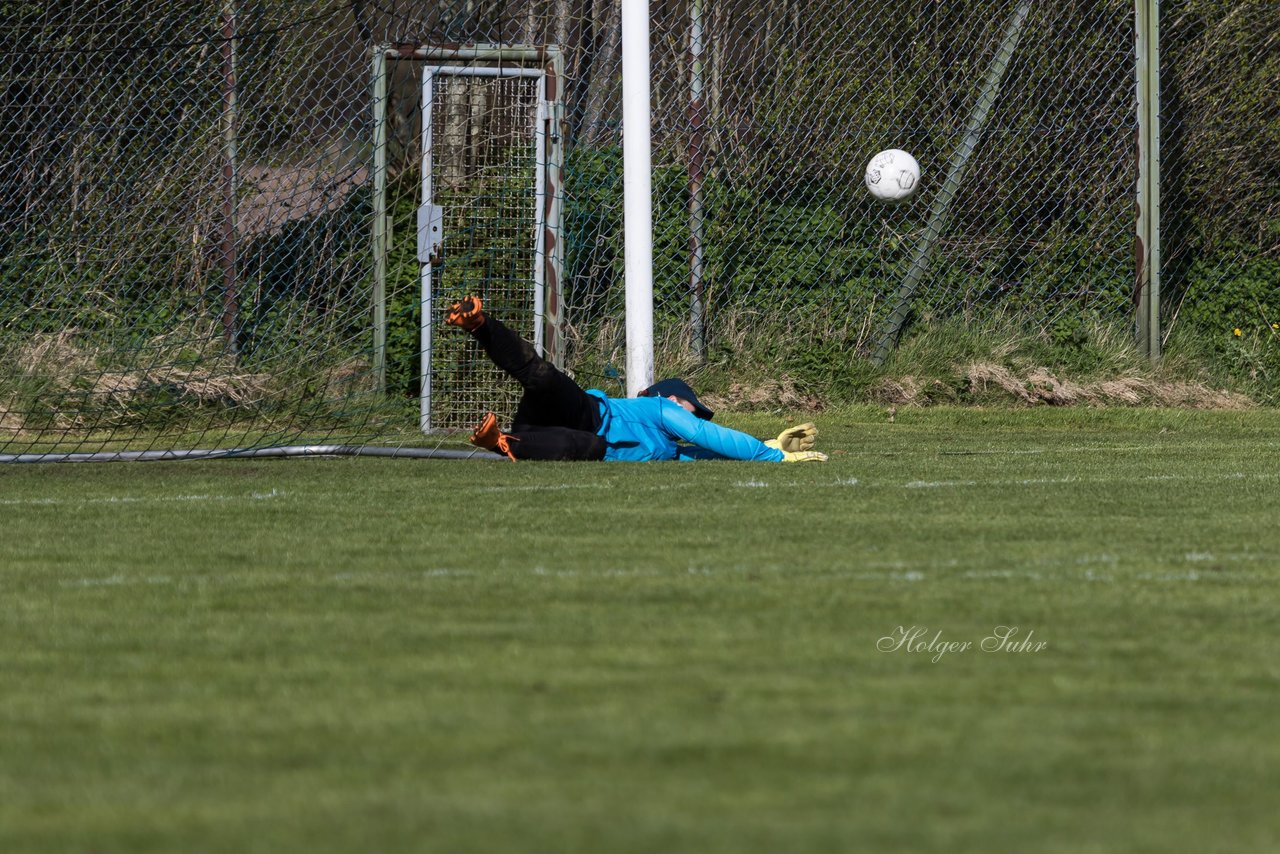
<point x="651" y="428"/>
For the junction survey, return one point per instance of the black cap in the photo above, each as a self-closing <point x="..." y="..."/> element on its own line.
<point x="675" y="387"/>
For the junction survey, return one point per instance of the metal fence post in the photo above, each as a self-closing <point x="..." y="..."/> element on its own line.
<point x="380" y="217"/>
<point x="230" y="288"/>
<point x="1147" y="239"/>
<point x="697" y="167"/>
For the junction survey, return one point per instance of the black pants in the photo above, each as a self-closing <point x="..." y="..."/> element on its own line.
<point x="556" y="419"/>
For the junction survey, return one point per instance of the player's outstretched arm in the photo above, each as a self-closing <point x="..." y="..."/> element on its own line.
<point x="725" y="442"/>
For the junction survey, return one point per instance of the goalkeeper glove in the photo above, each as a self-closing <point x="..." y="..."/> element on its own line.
<point x="794" y="439"/>
<point x="803" y="457"/>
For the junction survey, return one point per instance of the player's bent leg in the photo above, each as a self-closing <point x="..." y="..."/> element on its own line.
<point x="511" y="352"/>
<point x="538" y="443"/>
<point x="556" y="443"/>
<point x="551" y="398"/>
<point x="558" y="402"/>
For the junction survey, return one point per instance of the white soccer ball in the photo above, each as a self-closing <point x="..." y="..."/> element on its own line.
<point x="893" y="176"/>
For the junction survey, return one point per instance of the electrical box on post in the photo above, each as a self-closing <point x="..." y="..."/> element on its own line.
<point x="430" y="233"/>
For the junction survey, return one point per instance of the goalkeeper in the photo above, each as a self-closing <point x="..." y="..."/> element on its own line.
<point x="557" y="420"/>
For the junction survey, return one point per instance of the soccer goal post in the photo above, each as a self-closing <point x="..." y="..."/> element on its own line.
<point x="638" y="194"/>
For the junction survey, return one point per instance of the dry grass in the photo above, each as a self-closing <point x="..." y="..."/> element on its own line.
<point x="350" y="378"/>
<point x="70" y="366"/>
<point x="56" y="357"/>
<point x="199" y="384"/>
<point x="1040" y="386"/>
<point x="770" y="394"/>
<point x="900" y="391"/>
<point x="998" y="374"/>
<point x="12" y="424"/>
<point x="984" y="375"/>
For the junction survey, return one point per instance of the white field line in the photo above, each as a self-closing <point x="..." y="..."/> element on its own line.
<point x="1103" y="568"/>
<point x="912" y="484"/>
<point x="1051" y="481"/>
<point x="611" y="484"/>
<point x="623" y="485"/>
<point x="958" y="484"/>
<point x="398" y="579"/>
<point x="1018" y="452"/>
<point x="1031" y="481"/>
<point x="443" y="572"/>
<point x="116" y="580"/>
<point x="1008" y="452"/>
<point x="1066" y="449"/>
<point x="134" y="499"/>
<point x="538" y="487"/>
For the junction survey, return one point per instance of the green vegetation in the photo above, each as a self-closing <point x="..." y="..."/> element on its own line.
<point x="820" y="358"/>
<point x="412" y="655"/>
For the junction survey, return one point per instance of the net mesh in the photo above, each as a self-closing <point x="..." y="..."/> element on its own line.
<point x="186" y="195"/>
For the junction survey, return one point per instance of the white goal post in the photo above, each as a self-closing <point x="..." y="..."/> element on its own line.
<point x="637" y="185"/>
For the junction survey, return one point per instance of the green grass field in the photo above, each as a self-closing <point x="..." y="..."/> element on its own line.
<point x="401" y="655"/>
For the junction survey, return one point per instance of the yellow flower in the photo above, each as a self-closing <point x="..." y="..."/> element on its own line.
<point x="1275" y="326"/>
<point x="1238" y="332"/>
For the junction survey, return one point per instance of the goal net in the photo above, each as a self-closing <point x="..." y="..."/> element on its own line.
<point x="171" y="282"/>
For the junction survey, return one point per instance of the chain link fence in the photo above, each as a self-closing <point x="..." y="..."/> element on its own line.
<point x="1220" y="96"/>
<point x="188" y="194"/>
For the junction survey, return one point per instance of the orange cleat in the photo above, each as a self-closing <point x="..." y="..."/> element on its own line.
<point x="489" y="437"/>
<point x="467" y="314"/>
